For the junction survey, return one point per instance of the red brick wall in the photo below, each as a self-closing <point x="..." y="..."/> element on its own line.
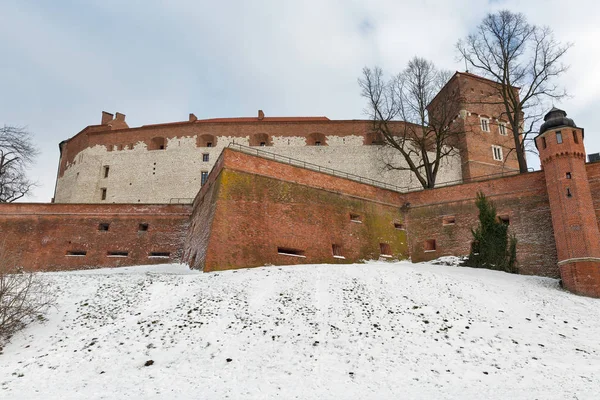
<point x="40" y="235"/>
<point x="522" y="198"/>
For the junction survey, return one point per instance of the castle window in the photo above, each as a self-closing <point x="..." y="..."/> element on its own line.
<point x="203" y="177"/>
<point x="569" y="193"/>
<point x="385" y="250"/>
<point x="206" y="140"/>
<point x="485" y="124"/>
<point x="497" y="153"/>
<point x="205" y="157"/>
<point x="399" y="226"/>
<point x="575" y="137"/>
<point x="558" y="137"/>
<point x="160" y="254"/>
<point x="157" y="143"/>
<point x="502" y="129"/>
<point x="79" y="253"/>
<point x="106" y="169"/>
<point x="316" y="139"/>
<point x="337" y="251"/>
<point x="543" y="143"/>
<point x="103" y="226"/>
<point x="505" y="219"/>
<point x="117" y="253"/>
<point x="449" y="220"/>
<point x="317" y="143"/>
<point x="142" y="227"/>
<point x="262" y="144"/>
<point x="103" y="194"/>
<point x="209" y="144"/>
<point x="355" y="218"/>
<point x="286" y="251"/>
<point x="568" y="175"/>
<point x="259" y="139"/>
<point x="429" y="245"/>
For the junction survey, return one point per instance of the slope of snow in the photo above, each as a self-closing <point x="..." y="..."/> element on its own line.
<point x="369" y="331"/>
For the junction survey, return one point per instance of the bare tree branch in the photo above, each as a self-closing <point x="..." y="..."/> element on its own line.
<point x="17" y="153"/>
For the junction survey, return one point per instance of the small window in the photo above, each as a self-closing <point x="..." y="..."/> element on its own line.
<point x="502" y="129"/>
<point x="263" y="144"/>
<point x="79" y="253"/>
<point x="505" y="219"/>
<point x="497" y="153"/>
<point x="103" y="194"/>
<point x="286" y="251"/>
<point x="117" y="253"/>
<point x="449" y="220"/>
<point x="575" y="137"/>
<point x="355" y="218"/>
<point x="569" y="193"/>
<point x="160" y="254"/>
<point x="568" y="175"/>
<point x="429" y="245"/>
<point x="203" y="177"/>
<point x="385" y="250"/>
<point x="205" y="157"/>
<point x="143" y="227"/>
<point x="208" y="144"/>
<point x="317" y="143"/>
<point x="543" y="143"/>
<point x="337" y="251"/>
<point x="106" y="169"/>
<point x="485" y="124"/>
<point x="103" y="226"/>
<point x="559" y="137"/>
<point x="399" y="226"/>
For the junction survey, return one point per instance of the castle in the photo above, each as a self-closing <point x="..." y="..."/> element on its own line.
<point x="244" y="192"/>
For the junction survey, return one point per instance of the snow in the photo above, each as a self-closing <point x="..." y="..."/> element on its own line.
<point x="365" y="331"/>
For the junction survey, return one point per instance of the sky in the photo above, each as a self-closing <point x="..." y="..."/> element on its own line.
<point x="63" y="62"/>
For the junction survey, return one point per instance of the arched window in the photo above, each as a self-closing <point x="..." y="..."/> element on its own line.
<point x="157" y="143"/>
<point x="260" y="139"/>
<point x="206" y="141"/>
<point x="316" y="139"/>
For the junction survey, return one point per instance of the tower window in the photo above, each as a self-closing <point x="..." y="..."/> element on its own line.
<point x="205" y="157"/>
<point x="485" y="124"/>
<point x="106" y="170"/>
<point x="497" y="153"/>
<point x="543" y="143"/>
<point x="263" y="144"/>
<point x="568" y="175"/>
<point x="208" y="144"/>
<point x="559" y="137"/>
<point x="103" y="194"/>
<point x="575" y="137"/>
<point x="203" y="177"/>
<point x="569" y="193"/>
<point x="502" y="129"/>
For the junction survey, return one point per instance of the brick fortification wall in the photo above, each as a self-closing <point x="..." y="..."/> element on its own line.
<point x="266" y="212"/>
<point x="56" y="236"/>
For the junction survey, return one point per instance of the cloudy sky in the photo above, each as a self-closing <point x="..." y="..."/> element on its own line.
<point x="64" y="61"/>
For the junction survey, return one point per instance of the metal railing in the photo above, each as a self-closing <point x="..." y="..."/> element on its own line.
<point x="372" y="182"/>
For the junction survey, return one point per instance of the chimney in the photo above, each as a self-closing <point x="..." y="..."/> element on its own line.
<point x="261" y="114"/>
<point x="106" y="117"/>
<point x="120" y="117"/>
<point x="193" y="117"/>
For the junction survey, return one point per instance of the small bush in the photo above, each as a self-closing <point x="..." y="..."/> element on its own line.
<point x="24" y="296"/>
<point x="492" y="247"/>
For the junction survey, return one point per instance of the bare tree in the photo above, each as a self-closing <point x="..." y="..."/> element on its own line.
<point x="24" y="296"/>
<point x="413" y="116"/>
<point x="525" y="60"/>
<point x="17" y="153"/>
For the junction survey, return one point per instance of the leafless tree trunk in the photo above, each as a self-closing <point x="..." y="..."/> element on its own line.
<point x="407" y="119"/>
<point x="526" y="60"/>
<point x="17" y="153"/>
<point x="24" y="296"/>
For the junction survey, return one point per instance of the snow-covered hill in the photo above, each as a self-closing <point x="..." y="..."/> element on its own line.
<point x="369" y="331"/>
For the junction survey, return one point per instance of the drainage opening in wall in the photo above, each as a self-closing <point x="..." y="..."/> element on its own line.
<point x="355" y="218"/>
<point x="286" y="251"/>
<point x="449" y="220"/>
<point x="79" y="253"/>
<point x="143" y="227"/>
<point x="159" y="254"/>
<point x="399" y="225"/>
<point x="103" y="226"/>
<point x="117" y="253"/>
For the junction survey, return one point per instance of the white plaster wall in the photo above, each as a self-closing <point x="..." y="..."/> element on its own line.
<point x="162" y="176"/>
